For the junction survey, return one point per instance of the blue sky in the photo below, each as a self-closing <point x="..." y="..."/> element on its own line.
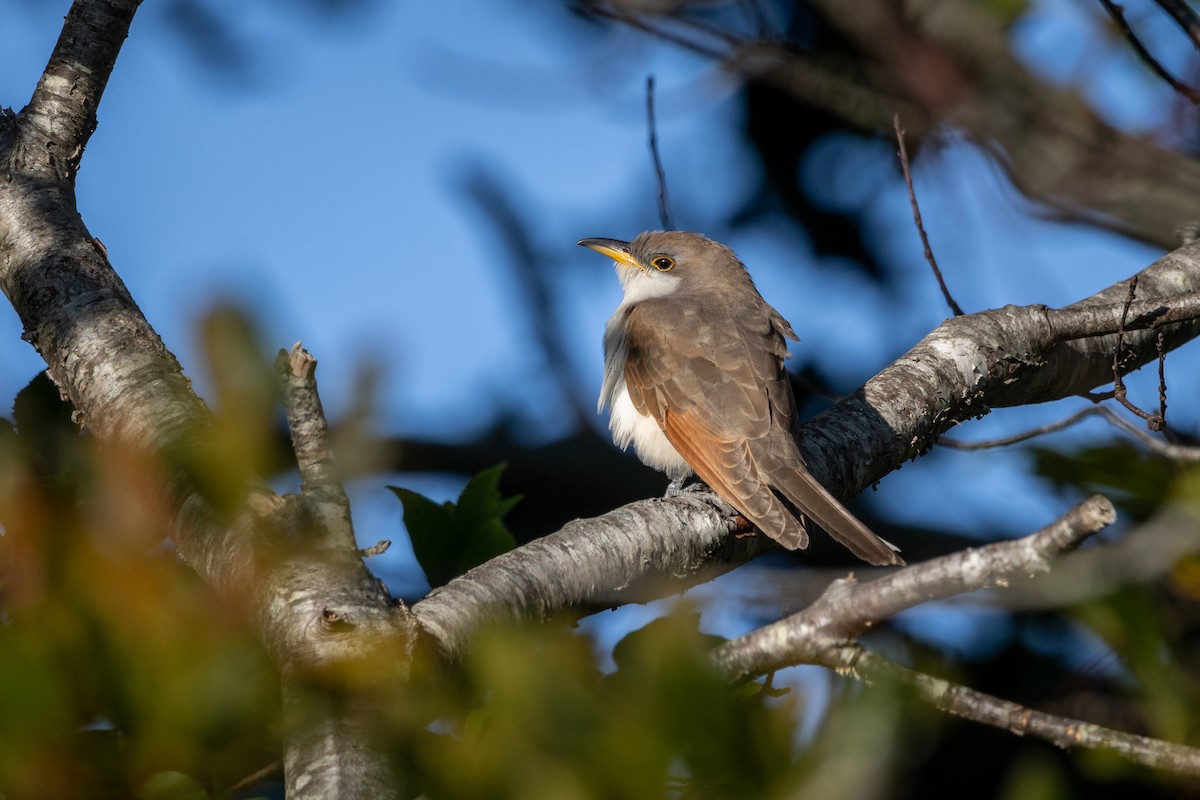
<point x="325" y="193"/>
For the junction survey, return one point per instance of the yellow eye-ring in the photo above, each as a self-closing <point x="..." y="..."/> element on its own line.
<point x="663" y="263"/>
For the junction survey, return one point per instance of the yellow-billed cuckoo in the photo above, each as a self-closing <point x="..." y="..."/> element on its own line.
<point x="693" y="373"/>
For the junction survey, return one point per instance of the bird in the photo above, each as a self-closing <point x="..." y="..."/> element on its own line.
<point x="694" y="379"/>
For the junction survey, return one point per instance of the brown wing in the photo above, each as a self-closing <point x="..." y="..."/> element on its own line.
<point x="701" y="379"/>
<point x="715" y="384"/>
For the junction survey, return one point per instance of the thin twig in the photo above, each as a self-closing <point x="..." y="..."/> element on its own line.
<point x="1174" y="452"/>
<point x="1118" y="15"/>
<point x="1162" y="377"/>
<point x="666" y="34"/>
<point x="664" y="206"/>
<point x="1118" y="382"/>
<point x="1032" y="433"/>
<point x="1154" y="422"/>
<point x="916" y="209"/>
<point x="274" y="769"/>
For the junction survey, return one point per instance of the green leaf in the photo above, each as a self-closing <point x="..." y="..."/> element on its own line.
<point x="450" y="538"/>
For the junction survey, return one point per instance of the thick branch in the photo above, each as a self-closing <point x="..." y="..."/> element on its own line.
<point x="62" y="112"/>
<point x="637" y="552"/>
<point x="993" y="359"/>
<point x="968" y="365"/>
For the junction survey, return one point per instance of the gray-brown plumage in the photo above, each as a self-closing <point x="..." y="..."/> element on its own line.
<point x="694" y="376"/>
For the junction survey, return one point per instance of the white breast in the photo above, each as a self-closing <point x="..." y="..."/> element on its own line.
<point x="629" y="426"/>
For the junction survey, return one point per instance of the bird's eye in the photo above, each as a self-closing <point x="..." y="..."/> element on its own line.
<point x="663" y="263"/>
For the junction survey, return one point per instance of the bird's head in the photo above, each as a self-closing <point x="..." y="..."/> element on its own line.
<point x="658" y="263"/>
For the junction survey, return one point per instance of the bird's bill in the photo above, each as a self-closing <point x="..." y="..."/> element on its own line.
<point x="615" y="249"/>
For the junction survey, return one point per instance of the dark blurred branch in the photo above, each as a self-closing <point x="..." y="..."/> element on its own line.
<point x="951" y="64"/>
<point x="1184" y="17"/>
<point x="1118" y="16"/>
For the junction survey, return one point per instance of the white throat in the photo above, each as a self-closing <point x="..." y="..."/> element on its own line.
<point x="640" y="285"/>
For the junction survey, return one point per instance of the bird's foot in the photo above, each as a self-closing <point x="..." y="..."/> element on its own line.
<point x="675" y="487"/>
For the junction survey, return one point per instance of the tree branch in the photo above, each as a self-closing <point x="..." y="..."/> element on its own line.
<point x="1142" y="555"/>
<point x="968" y="365"/>
<point x="902" y="151"/>
<point x="62" y="110"/>
<point x="635" y="553"/>
<point x="847" y="609"/>
<point x="1064" y="732"/>
<point x="288" y="563"/>
<point x="1117" y="13"/>
<point x="320" y="484"/>
<point x="994" y="359"/>
<point x="823" y="634"/>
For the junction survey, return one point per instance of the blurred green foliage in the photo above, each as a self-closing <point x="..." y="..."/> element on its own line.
<point x="116" y="662"/>
<point x="1135" y="480"/>
<point x="532" y="715"/>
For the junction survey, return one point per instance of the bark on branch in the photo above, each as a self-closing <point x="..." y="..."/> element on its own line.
<point x="635" y="553"/>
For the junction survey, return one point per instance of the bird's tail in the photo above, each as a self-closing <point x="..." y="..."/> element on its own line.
<point x="815" y="502"/>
